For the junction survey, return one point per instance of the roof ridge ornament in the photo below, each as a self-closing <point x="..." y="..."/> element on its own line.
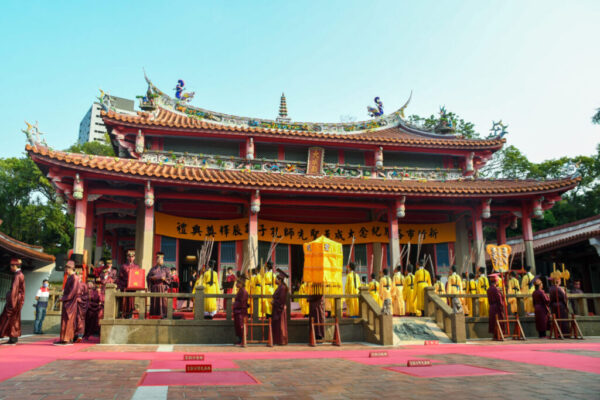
<point x="105" y="101"/>
<point x="283" y="113"/>
<point x="446" y="124"/>
<point x="498" y="130"/>
<point x="183" y="97"/>
<point x="34" y="135"/>
<point x="376" y="111"/>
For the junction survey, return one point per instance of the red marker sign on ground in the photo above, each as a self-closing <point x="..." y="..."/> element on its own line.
<point x="378" y="354"/>
<point x="198" y="368"/>
<point x="431" y="342"/>
<point x="193" y="357"/>
<point x="418" y="363"/>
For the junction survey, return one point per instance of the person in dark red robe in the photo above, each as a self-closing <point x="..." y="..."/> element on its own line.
<point x="229" y="281"/>
<point x="540" y="304"/>
<point x="240" y="308"/>
<point x="69" y="305"/>
<point x="82" y="304"/>
<point x="10" y="319"/>
<point x="316" y="311"/>
<point x="279" y="311"/>
<point x="174" y="286"/>
<point x="159" y="280"/>
<point x="127" y="303"/>
<point x="558" y="305"/>
<point x="92" y="316"/>
<point x="496" y="302"/>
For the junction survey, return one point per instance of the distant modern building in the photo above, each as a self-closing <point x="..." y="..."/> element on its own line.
<point x="91" y="127"/>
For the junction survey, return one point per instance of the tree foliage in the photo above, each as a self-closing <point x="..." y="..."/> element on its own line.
<point x="29" y="209"/>
<point x="94" y="148"/>
<point x="463" y="128"/>
<point x="596" y="117"/>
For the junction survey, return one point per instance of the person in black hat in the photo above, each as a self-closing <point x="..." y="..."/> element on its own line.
<point x="10" y="319"/>
<point x="159" y="281"/>
<point x="279" y="310"/>
<point x="240" y="308"/>
<point x="496" y="302"/>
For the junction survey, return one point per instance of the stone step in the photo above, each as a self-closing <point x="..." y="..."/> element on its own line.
<point x="415" y="330"/>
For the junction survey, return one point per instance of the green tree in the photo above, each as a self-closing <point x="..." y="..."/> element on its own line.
<point x="94" y="148"/>
<point x="462" y="127"/>
<point x="29" y="207"/>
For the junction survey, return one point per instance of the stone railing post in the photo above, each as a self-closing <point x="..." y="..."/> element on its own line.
<point x="459" y="333"/>
<point x="199" y="303"/>
<point x="255" y="308"/>
<point x="110" y="301"/>
<point x="338" y="307"/>
<point x="288" y="303"/>
<point x="429" y="304"/>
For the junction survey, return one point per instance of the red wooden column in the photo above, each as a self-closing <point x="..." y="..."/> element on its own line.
<point x="394" y="244"/>
<point x="81" y="203"/>
<point x="501" y="231"/>
<point x="99" y="238"/>
<point x="528" y="235"/>
<point x="478" y="249"/>
<point x="88" y="242"/>
<point x="252" y="247"/>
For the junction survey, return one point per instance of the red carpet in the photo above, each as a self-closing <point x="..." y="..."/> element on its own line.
<point x="15" y="360"/>
<point x="447" y="370"/>
<point x="227" y="378"/>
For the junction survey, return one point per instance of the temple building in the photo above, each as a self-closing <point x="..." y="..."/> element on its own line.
<point x="184" y="174"/>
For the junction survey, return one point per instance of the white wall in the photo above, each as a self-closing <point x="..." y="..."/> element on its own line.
<point x="33" y="281"/>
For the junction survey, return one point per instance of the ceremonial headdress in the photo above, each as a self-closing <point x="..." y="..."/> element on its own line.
<point x="131" y="252"/>
<point x="160" y="254"/>
<point x="15" y="261"/>
<point x="493" y="278"/>
<point x="70" y="264"/>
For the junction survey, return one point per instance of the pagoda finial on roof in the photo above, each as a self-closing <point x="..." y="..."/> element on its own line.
<point x="283" y="114"/>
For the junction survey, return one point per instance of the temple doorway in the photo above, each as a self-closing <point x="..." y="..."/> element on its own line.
<point x="297" y="262"/>
<point x="188" y="257"/>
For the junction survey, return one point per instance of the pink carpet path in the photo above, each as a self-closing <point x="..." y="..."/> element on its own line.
<point x="15" y="360"/>
<point x="448" y="370"/>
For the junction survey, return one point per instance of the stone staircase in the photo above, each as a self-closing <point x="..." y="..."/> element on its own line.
<point x="415" y="330"/>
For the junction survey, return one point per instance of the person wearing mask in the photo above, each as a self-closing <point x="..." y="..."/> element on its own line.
<point x="41" y="298"/>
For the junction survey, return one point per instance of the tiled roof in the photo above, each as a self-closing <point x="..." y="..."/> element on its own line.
<point x="394" y="135"/>
<point x="560" y="236"/>
<point x="295" y="182"/>
<point x="23" y="249"/>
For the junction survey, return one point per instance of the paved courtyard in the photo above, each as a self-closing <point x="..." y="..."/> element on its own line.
<point x="35" y="369"/>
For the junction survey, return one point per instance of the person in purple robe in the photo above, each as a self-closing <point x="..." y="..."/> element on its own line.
<point x="316" y="311"/>
<point x="10" y="319"/>
<point x="127" y="303"/>
<point x="69" y="305"/>
<point x="82" y="305"/>
<point x="279" y="311"/>
<point x="92" y="316"/>
<point x="159" y="281"/>
<point x="558" y="305"/>
<point x="496" y="302"/>
<point x="540" y="304"/>
<point x="240" y="308"/>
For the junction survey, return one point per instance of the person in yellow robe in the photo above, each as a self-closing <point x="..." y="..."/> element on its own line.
<point x="472" y="289"/>
<point x="352" y="287"/>
<point x="454" y="283"/>
<point x="527" y="288"/>
<point x="211" y="285"/>
<point x="423" y="280"/>
<point x="385" y="292"/>
<point x="482" y="286"/>
<point x="408" y="291"/>
<point x="303" y="302"/>
<point x="438" y="286"/>
<point x="256" y="288"/>
<point x="397" y="292"/>
<point x="513" y="288"/>
<point x="269" y="286"/>
<point x="374" y="289"/>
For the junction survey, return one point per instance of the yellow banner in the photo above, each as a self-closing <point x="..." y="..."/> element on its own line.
<point x="293" y="233"/>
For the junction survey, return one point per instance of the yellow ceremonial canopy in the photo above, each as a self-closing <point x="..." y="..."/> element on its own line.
<point x="323" y="263"/>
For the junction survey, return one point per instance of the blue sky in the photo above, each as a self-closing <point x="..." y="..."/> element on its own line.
<point x="533" y="64"/>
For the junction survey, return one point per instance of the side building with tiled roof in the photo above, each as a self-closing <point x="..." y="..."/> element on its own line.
<point x="184" y="174"/>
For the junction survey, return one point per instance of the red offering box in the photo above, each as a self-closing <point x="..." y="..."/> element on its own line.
<point x="136" y="279"/>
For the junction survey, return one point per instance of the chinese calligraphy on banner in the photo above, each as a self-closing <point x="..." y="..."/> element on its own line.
<point x="292" y="233"/>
